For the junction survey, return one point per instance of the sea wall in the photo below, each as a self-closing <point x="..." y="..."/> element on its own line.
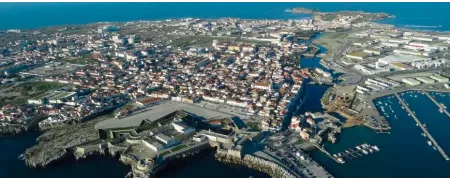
<point x="250" y="161"/>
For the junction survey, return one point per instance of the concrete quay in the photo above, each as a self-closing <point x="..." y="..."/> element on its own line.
<point x="423" y="128"/>
<point x="442" y="108"/>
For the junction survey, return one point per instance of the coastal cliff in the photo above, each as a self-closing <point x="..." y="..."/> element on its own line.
<point x="270" y="168"/>
<point x="54" y="145"/>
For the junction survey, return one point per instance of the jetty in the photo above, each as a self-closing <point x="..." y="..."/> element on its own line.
<point x="328" y="154"/>
<point x="357" y="152"/>
<point x="423" y="128"/>
<point x="441" y="107"/>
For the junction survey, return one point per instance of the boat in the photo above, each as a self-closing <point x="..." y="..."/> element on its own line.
<point x="429" y="143"/>
<point x="434" y="147"/>
<point x="424" y="135"/>
<point x="347" y="151"/>
<point x="357" y="147"/>
<point x="365" y="152"/>
<point x="375" y="148"/>
<point x="21" y="157"/>
<point x="417" y="124"/>
<point x="371" y="150"/>
<point x="340" y="160"/>
<point x="334" y="155"/>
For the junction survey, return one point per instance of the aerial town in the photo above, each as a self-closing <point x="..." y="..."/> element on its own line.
<point x="150" y="92"/>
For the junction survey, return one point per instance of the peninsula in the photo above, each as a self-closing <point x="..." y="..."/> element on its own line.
<point x="153" y="92"/>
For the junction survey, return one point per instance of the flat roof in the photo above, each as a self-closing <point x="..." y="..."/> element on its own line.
<point x="156" y="112"/>
<point x="404" y="58"/>
<point x="359" y="54"/>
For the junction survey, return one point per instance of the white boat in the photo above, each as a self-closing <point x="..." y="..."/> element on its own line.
<point x="357" y="147"/>
<point x="375" y="148"/>
<point x="365" y="152"/>
<point x="340" y="160"/>
<point x="434" y="147"/>
<point x="334" y="155"/>
<point x="429" y="143"/>
<point x="371" y="150"/>
<point x="424" y="135"/>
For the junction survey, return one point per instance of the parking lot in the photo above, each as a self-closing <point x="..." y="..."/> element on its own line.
<point x="236" y="111"/>
<point x="286" y="148"/>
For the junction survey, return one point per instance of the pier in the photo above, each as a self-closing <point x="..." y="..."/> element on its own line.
<point x="327" y="153"/>
<point x="357" y="152"/>
<point x="440" y="106"/>
<point x="423" y="128"/>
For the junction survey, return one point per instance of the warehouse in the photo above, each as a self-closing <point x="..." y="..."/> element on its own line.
<point x="357" y="55"/>
<point x="399" y="58"/>
<point x="425" y="80"/>
<point x="411" y="81"/>
<point x="439" y="78"/>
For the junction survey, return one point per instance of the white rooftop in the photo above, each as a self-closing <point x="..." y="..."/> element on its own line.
<point x="403" y="58"/>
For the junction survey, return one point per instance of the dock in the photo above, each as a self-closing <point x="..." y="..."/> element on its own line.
<point x="327" y="153"/>
<point x="357" y="152"/>
<point x="440" y="106"/>
<point x="423" y="128"/>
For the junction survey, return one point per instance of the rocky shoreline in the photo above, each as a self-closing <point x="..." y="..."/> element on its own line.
<point x="58" y="143"/>
<point x="250" y="161"/>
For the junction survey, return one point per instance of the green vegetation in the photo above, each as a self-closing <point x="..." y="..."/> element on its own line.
<point x="180" y="147"/>
<point x="165" y="153"/>
<point x="23" y="92"/>
<point x="254" y="126"/>
<point x="61" y="95"/>
<point x="81" y="61"/>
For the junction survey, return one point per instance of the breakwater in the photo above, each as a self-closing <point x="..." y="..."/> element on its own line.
<point x="268" y="167"/>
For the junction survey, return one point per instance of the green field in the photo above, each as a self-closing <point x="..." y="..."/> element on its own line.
<point x="180" y="147"/>
<point x="28" y="90"/>
<point x="61" y="95"/>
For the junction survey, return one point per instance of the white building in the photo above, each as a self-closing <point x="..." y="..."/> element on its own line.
<point x="439" y="78"/>
<point x="166" y="140"/>
<point x="180" y="127"/>
<point x="411" y="81"/>
<point x="425" y="80"/>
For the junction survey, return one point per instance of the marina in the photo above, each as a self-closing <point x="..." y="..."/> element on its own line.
<point x="357" y="152"/>
<point x="352" y="153"/>
<point x="442" y="107"/>
<point x="423" y="127"/>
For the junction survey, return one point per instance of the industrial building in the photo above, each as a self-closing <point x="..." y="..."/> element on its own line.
<point x="411" y="81"/>
<point x="400" y="58"/>
<point x="360" y="55"/>
<point x="388" y="81"/>
<point x="425" y="80"/>
<point x="439" y="78"/>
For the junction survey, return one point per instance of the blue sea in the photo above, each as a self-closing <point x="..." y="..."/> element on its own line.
<point x="34" y="15"/>
<point x="404" y="152"/>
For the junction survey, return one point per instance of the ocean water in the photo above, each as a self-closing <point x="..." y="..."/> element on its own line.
<point x="404" y="152"/>
<point x="33" y="15"/>
<point x="12" y="167"/>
